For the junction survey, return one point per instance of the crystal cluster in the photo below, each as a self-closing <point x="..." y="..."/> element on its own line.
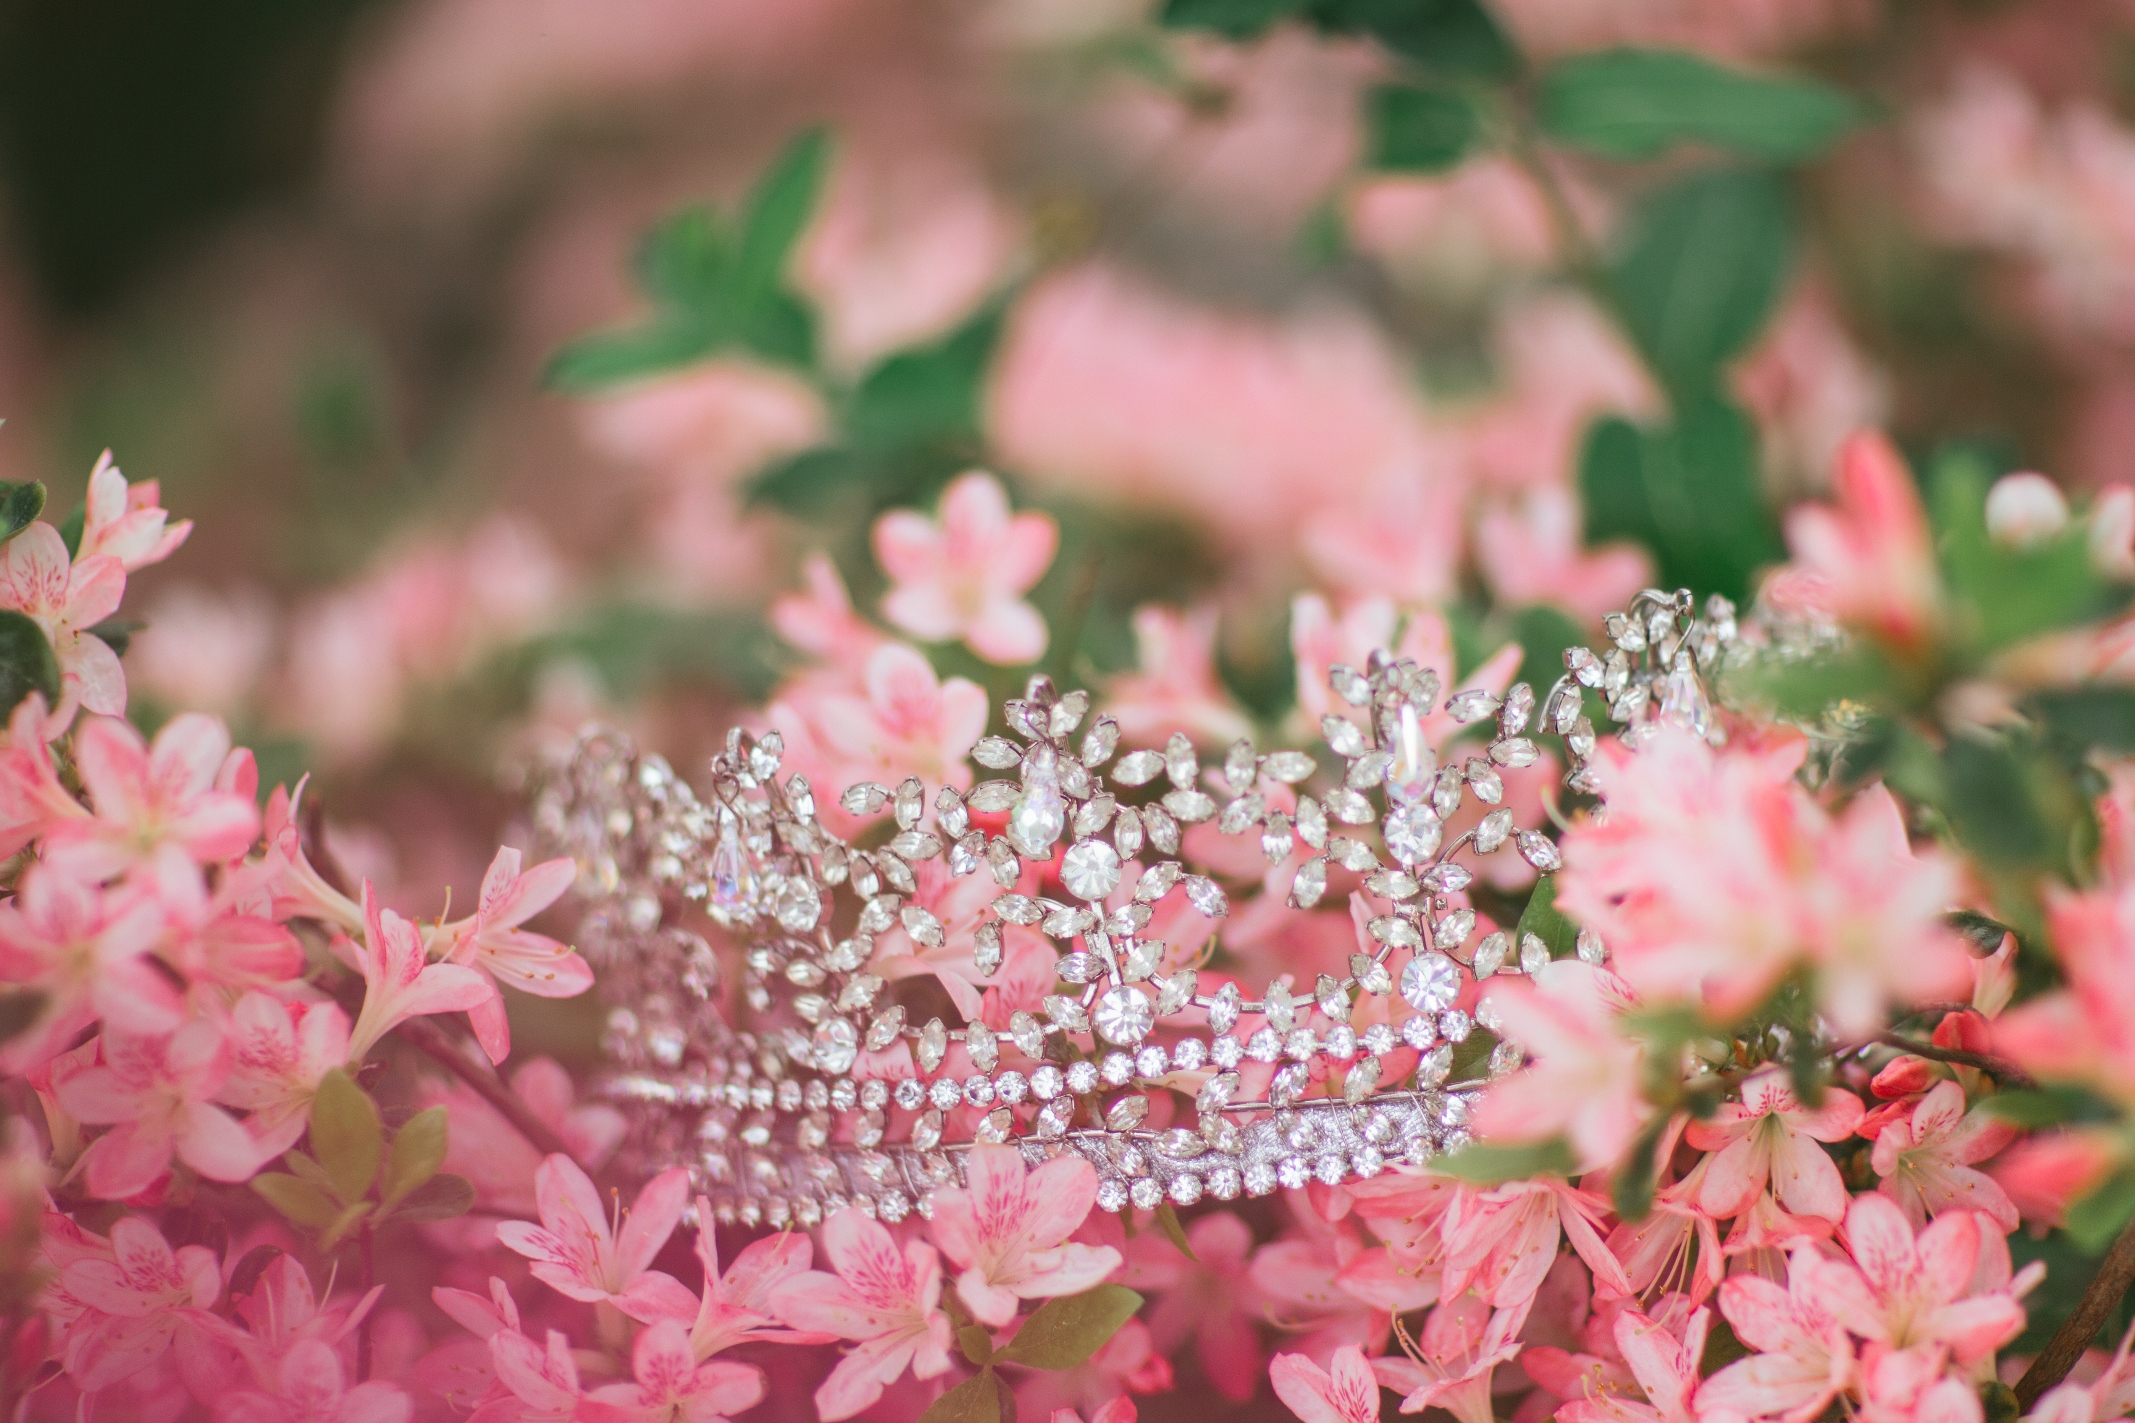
<point x="1172" y="1090"/>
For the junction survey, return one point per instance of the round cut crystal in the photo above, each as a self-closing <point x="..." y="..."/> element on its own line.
<point x="1430" y="983"/>
<point x="1090" y="869"/>
<point x="1123" y="1015"/>
<point x="1413" y="833"/>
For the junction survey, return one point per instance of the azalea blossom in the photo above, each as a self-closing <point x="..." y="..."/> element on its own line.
<point x="534" y="1384"/>
<point x="127" y="521"/>
<point x="1926" y="1159"/>
<point x="1805" y="1357"/>
<point x="1174" y="687"/>
<point x="962" y="577"/>
<point x="134" y="1299"/>
<point x="1903" y="1290"/>
<point x="1008" y="1230"/>
<point x="1769" y="1137"/>
<point x="1344" y="1392"/>
<point x="671" y="1386"/>
<point x="884" y="1300"/>
<point x="1665" y="1363"/>
<point x="84" y="951"/>
<point x="904" y="720"/>
<point x="149" y="798"/>
<point x="278" y="1054"/>
<point x="736" y="1306"/>
<point x="1869" y="560"/>
<point x="1450" y="1365"/>
<point x="580" y="1252"/>
<point x="399" y="981"/>
<point x="1583" y="1080"/>
<point x="312" y="1387"/>
<point x="1501" y="1242"/>
<point x="157" y="1096"/>
<point x="492" y="942"/>
<point x="66" y="598"/>
<point x="1209" y="1298"/>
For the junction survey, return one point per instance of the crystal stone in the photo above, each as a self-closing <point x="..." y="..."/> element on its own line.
<point x="1430" y="982"/>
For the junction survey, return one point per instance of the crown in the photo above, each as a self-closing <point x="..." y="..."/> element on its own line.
<point x="1171" y="1088"/>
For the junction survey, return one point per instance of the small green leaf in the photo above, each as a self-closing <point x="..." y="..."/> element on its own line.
<point x="1487" y="1165"/>
<point x="1983" y="932"/>
<point x="1639" y="103"/>
<point x="20" y="504"/>
<point x="682" y="262"/>
<point x="27" y="662"/>
<point x="441" y="1197"/>
<point x="1542" y="918"/>
<point x="2098" y="717"/>
<point x="976" y="1343"/>
<point x="1065" y="1332"/>
<point x="301" y="1201"/>
<point x="19" y="1010"/>
<point x="1638" y="1175"/>
<point x="1233" y="19"/>
<point x="1417" y="130"/>
<point x="1167" y="1221"/>
<point x="418" y="1151"/>
<point x="1999" y="1403"/>
<point x="117" y="633"/>
<point x="2093" y="1221"/>
<point x="1449" y="38"/>
<point x="2047" y="1106"/>
<point x="926" y="392"/>
<point x="778" y="209"/>
<point x="975" y="1400"/>
<point x="70" y="531"/>
<point x="346" y="1135"/>
<point x="245" y="1277"/>
<point x="1708" y="256"/>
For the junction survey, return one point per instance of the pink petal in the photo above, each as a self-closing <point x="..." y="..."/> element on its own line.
<point x="1008" y="633"/>
<point x="974" y="511"/>
<point x="1023" y="553"/>
<point x="113" y="762"/>
<point x="127" y="1160"/>
<point x="908" y="546"/>
<point x="860" y="1377"/>
<point x="651" y="1220"/>
<point x="925" y="610"/>
<point x="187" y="754"/>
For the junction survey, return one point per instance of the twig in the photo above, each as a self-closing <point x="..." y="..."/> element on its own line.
<point x="1999" y="1068"/>
<point x="2100" y="1297"/>
<point x="487" y="1085"/>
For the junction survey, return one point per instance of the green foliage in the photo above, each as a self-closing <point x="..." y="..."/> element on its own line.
<point x="330" y="1189"/>
<point x="1488" y="1165"/>
<point x="713" y="288"/>
<point x="1999" y="1403"/>
<point x="1233" y="19"/>
<point x="2000" y="594"/>
<point x="2093" y="1221"/>
<point x="1445" y="37"/>
<point x="1420" y="130"/>
<point x="982" y="1398"/>
<point x="27" y="661"/>
<point x="2048" y="1106"/>
<point x="1542" y="919"/>
<point x="1167" y="1221"/>
<point x="1636" y="1179"/>
<point x="20" y="504"/>
<point x="1065" y="1332"/>
<point x="2084" y="717"/>
<point x="1689" y="491"/>
<point x="347" y="1138"/>
<point x="418" y="1153"/>
<point x="1707" y="257"/>
<point x="1639" y="103"/>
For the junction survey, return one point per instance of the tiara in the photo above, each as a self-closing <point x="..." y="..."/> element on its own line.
<point x="1171" y="1092"/>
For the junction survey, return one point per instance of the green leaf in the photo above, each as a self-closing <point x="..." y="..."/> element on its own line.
<point x="610" y="358"/>
<point x="1984" y="932"/>
<point x="1999" y="1403"/>
<point x="778" y="210"/>
<point x="2098" y="717"/>
<point x="975" y="1400"/>
<point x="441" y="1197"/>
<point x="20" y="504"/>
<point x="19" y="1010"/>
<point x="1417" y="130"/>
<point x="2093" y="1221"/>
<point x="2005" y="594"/>
<point x="117" y="633"/>
<point x="683" y="260"/>
<point x="1542" y="918"/>
<point x="1639" y="1174"/>
<point x="1233" y="19"/>
<point x="1991" y="798"/>
<point x="976" y="1343"/>
<point x="418" y="1151"/>
<point x="927" y="392"/>
<point x="2047" y="1106"/>
<point x="1707" y="257"/>
<point x="1065" y="1332"/>
<point x="1450" y="38"/>
<point x="1488" y="1165"/>
<point x="1167" y="1221"/>
<point x="301" y="1201"/>
<point x="1638" y="103"/>
<point x="346" y="1136"/>
<point x="27" y="662"/>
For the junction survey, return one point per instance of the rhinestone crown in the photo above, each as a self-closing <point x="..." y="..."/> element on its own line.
<point x="829" y="1092"/>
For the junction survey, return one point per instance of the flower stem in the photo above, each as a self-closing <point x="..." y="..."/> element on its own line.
<point x="487" y="1085"/>
<point x="1999" y="1068"/>
<point x="2105" y="1291"/>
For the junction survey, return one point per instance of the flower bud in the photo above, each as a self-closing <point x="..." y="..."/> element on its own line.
<point x="2024" y="510"/>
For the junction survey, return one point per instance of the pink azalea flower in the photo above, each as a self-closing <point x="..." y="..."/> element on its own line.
<point x="157" y="1094"/>
<point x="1769" y="1137"/>
<point x="66" y="598"/>
<point x="222" y="939"/>
<point x="1666" y="1367"/>
<point x="85" y="950"/>
<point x="1804" y="1358"/>
<point x="671" y="1386"/>
<point x="281" y="1313"/>
<point x="963" y="577"/>
<point x="960" y="905"/>
<point x="1126" y="1363"/>
<point x="293" y="886"/>
<point x="1008" y="1231"/>
<point x="1345" y="1392"/>
<point x="278" y="1052"/>
<point x="1210" y="1298"/>
<point x="135" y="1299"/>
<point x="492" y="943"/>
<point x="1300" y="1278"/>
<point x="1926" y="1159"/>
<point x="1871" y="560"/>
<point x="1462" y="1342"/>
<point x="127" y="522"/>
<point x="1901" y="1290"/>
<point x="149" y="798"/>
<point x="2084" y="1032"/>
<point x="1530" y="551"/>
<point x="821" y="622"/>
<point x="534" y="1385"/>
<point x="737" y="1306"/>
<point x="1394" y="531"/>
<point x="1122" y="1410"/>
<point x="399" y="981"/>
<point x="312" y="1387"/>
<point x="502" y="1164"/>
<point x="1583" y="1079"/>
<point x="32" y="800"/>
<point x="886" y="1301"/>
<point x="904" y="722"/>
<point x="1174" y="686"/>
<point x="581" y="1254"/>
<point x="1911" y="1386"/>
<point x="1501" y="1242"/>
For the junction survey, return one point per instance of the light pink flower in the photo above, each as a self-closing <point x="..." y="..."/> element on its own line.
<point x="888" y="1302"/>
<point x="85" y="950"/>
<point x="960" y="904"/>
<point x="492" y="1154"/>
<point x="533" y="1384"/>
<point x="2084" y="1032"/>
<point x="493" y="943"/>
<point x="1126" y="1363"/>
<point x="1809" y="387"/>
<point x="127" y="522"/>
<point x="1301" y="1282"/>
<point x="707" y="424"/>
<point x="1914" y="1386"/>
<point x="32" y="800"/>
<point x="671" y="1386"/>
<point x="581" y="1254"/>
<point x="204" y="648"/>
<point x="1941" y="1288"/>
<point x="821" y="621"/>
<point x="1394" y="532"/>
<point x="1584" y="1074"/>
<point x="311" y="1387"/>
<point x="1530" y="551"/>
<point x="1462" y="1343"/>
<point x="1665" y="1365"/>
<point x="1870" y="560"/>
<point x="1209" y="1298"/>
<point x="281" y="1312"/>
<point x="135" y="1297"/>
<point x="1502" y="1242"/>
<point x="1565" y="362"/>
<point x="293" y="886"/>
<point x="1008" y="1231"/>
<point x="736" y="1307"/>
<point x="1804" y="1358"/>
<point x="399" y="981"/>
<point x="1770" y="1137"/>
<point x="278" y="1052"/>
<point x="962" y="577"/>
<point x="1926" y="1159"/>
<point x="1345" y="1392"/>
<point x="67" y="598"/>
<point x="904" y="722"/>
<point x="149" y="797"/>
<point x="1174" y="686"/>
<point x="158" y="1097"/>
